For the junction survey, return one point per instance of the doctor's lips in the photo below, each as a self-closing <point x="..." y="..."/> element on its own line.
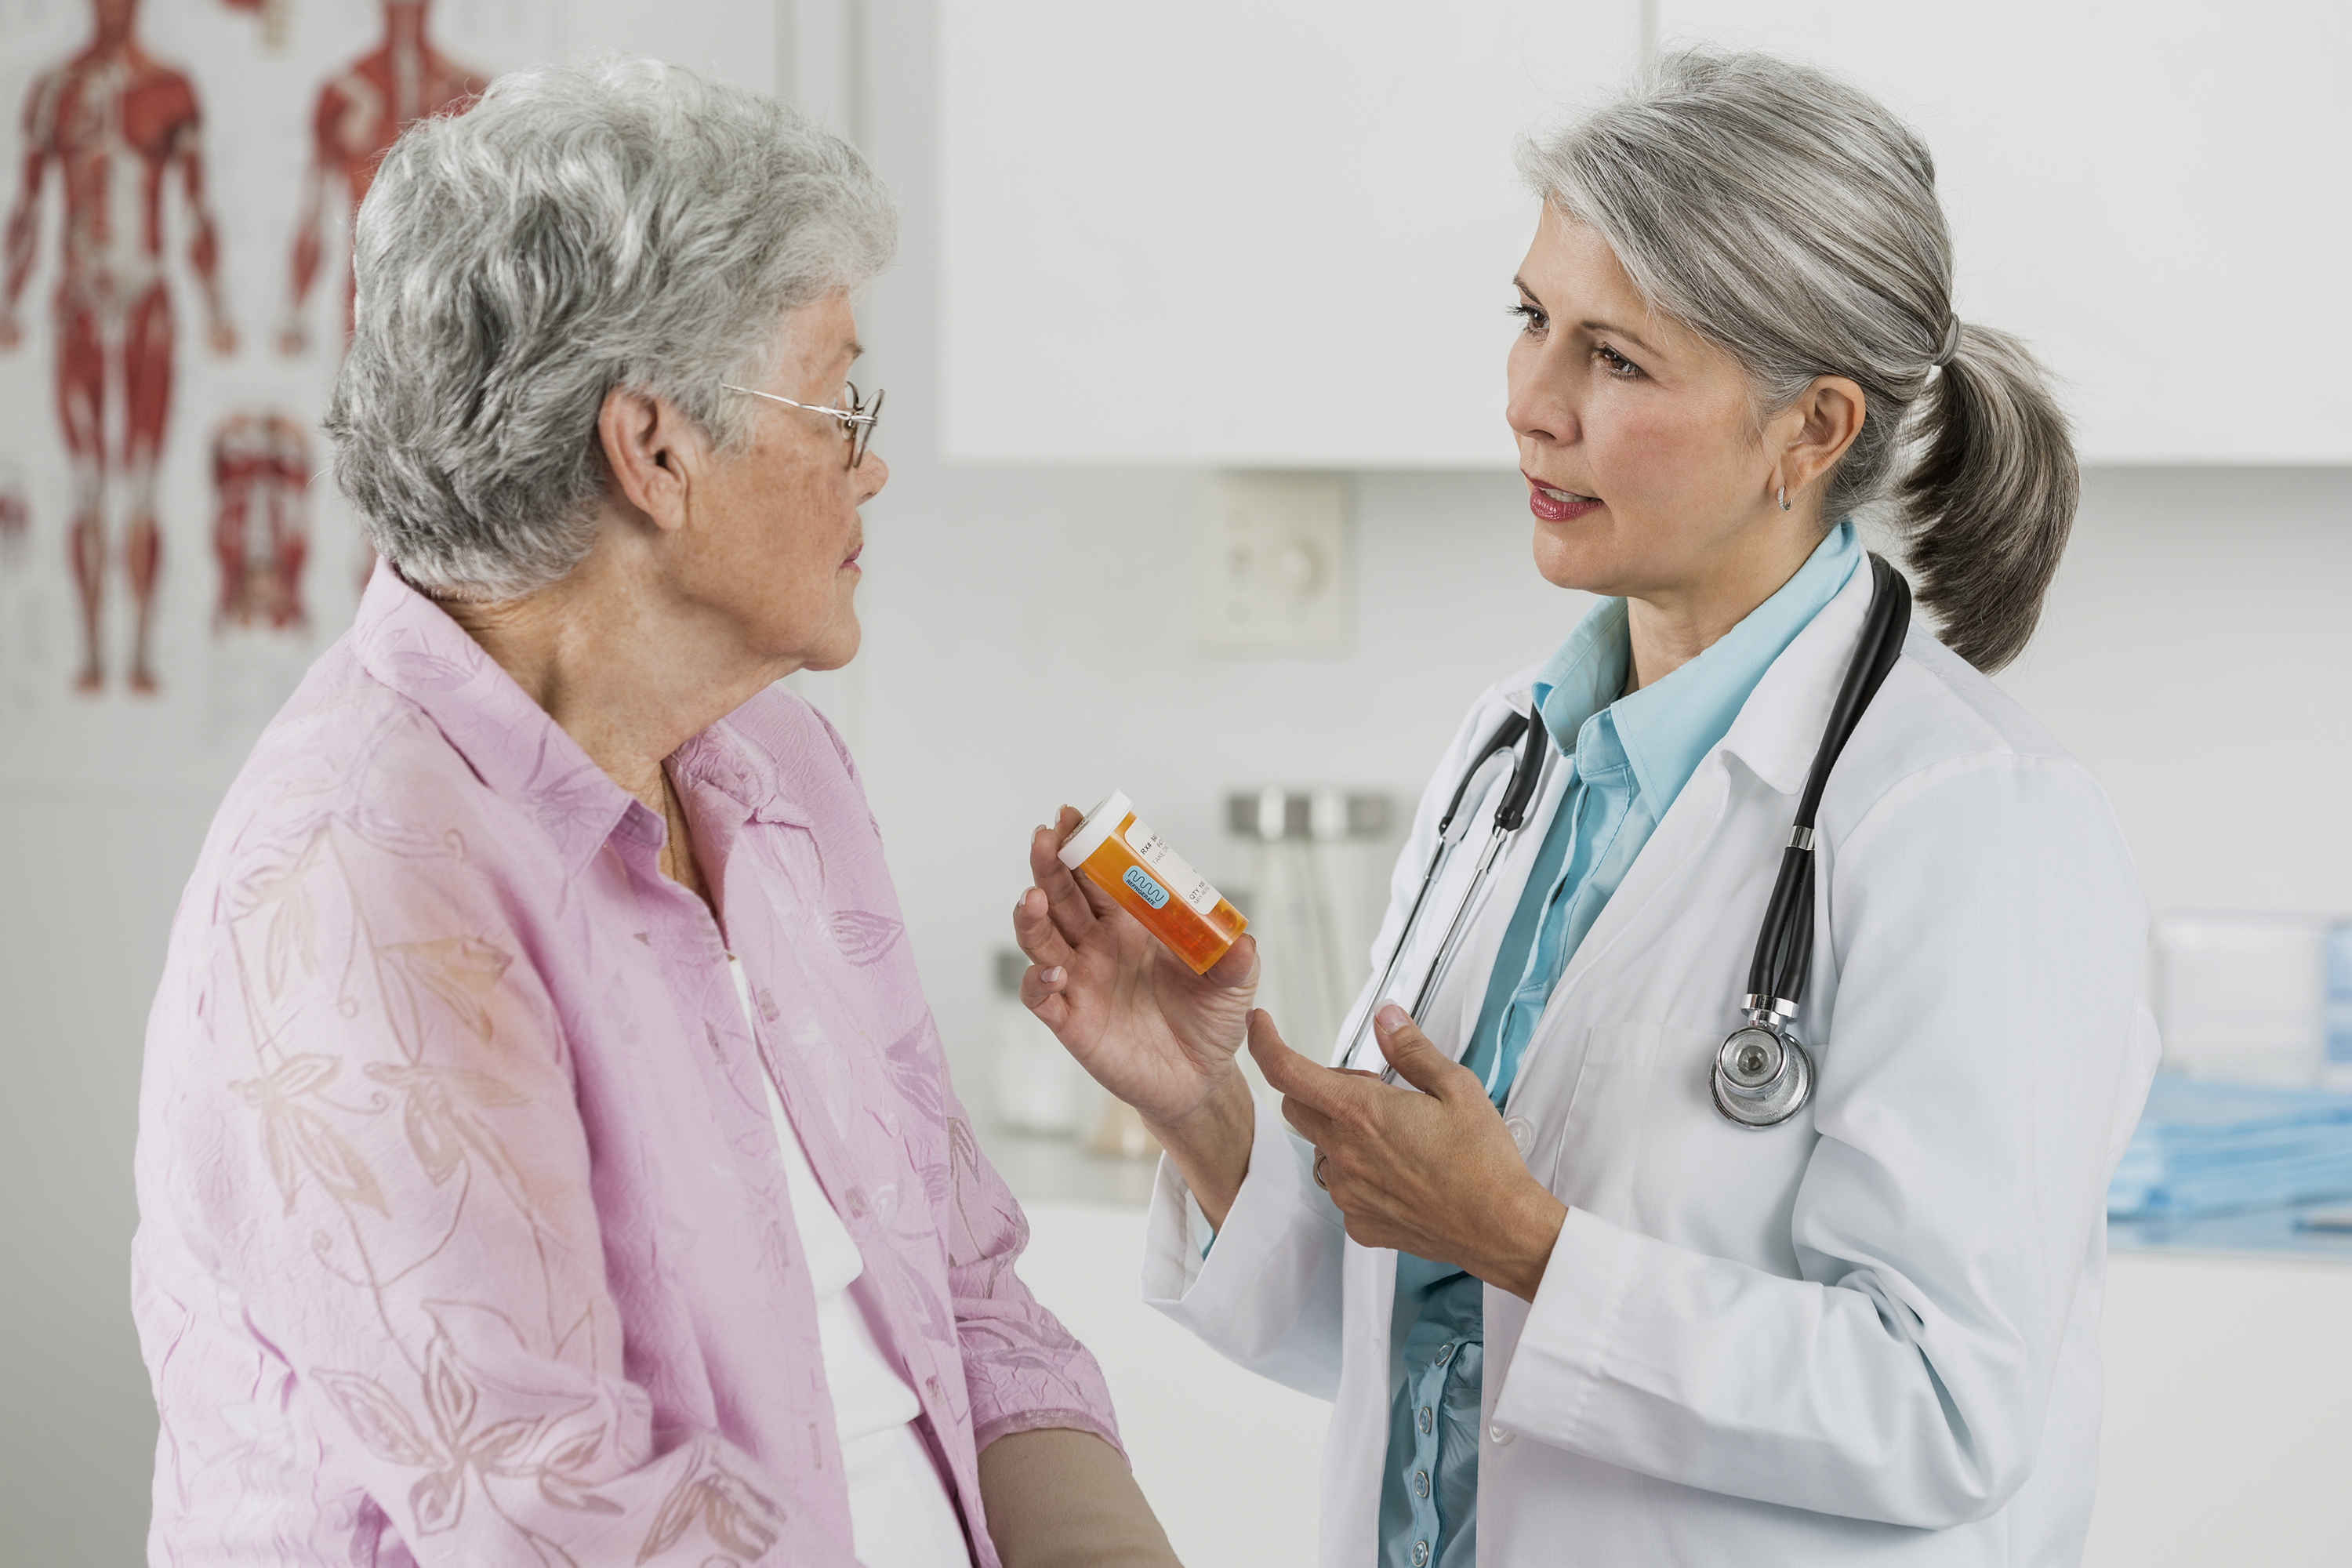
<point x="1555" y="505"/>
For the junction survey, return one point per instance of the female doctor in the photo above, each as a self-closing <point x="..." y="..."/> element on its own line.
<point x="1591" y="1284"/>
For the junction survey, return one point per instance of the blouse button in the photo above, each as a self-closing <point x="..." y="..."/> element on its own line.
<point x="1523" y="1134"/>
<point x="1499" y="1437"/>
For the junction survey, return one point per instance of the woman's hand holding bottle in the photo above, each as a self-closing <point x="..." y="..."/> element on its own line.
<point x="1140" y="1021"/>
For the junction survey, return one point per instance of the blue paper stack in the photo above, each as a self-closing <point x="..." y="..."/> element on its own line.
<point x="2204" y="1148"/>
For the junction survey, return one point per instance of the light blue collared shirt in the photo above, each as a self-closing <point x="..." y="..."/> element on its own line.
<point x="1630" y="756"/>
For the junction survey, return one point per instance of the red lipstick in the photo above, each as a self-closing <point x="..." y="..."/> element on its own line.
<point x="1555" y="505"/>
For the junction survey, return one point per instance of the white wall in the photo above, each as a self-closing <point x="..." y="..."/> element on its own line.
<point x="2195" y="654"/>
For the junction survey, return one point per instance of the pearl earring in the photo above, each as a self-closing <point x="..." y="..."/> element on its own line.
<point x="1783" y="496"/>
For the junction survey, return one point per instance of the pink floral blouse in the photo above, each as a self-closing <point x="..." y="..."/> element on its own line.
<point x="464" y="1236"/>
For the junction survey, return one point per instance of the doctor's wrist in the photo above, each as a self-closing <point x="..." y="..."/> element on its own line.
<point x="1523" y="1244"/>
<point x="1210" y="1145"/>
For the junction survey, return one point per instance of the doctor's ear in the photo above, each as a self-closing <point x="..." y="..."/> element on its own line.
<point x="1812" y="433"/>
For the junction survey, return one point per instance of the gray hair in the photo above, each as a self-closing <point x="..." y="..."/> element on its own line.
<point x="1789" y="219"/>
<point x="620" y="223"/>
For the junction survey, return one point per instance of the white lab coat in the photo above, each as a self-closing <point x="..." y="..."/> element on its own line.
<point x="1867" y="1335"/>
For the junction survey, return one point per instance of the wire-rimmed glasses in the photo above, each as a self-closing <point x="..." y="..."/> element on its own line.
<point x="857" y="420"/>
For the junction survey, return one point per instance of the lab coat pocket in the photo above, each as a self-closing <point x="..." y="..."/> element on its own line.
<point x="1702" y="1182"/>
<point x="1646" y="1148"/>
<point x="1601" y="1146"/>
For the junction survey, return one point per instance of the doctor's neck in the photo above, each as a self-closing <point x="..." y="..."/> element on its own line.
<point x="1671" y="624"/>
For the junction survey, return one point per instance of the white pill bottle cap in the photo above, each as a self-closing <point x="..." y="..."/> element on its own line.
<point x="1100" y="824"/>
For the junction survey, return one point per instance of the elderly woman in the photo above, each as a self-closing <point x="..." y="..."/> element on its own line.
<point x="546" y="1154"/>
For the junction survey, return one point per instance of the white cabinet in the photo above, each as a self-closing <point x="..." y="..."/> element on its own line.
<point x="1279" y="232"/>
<point x="1244" y="232"/>
<point x="2152" y="194"/>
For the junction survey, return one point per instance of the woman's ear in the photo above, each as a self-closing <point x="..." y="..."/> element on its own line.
<point x="650" y="450"/>
<point x="1817" y="428"/>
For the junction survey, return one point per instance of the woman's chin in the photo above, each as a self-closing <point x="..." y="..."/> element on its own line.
<point x="838" y="646"/>
<point x="1573" y="563"/>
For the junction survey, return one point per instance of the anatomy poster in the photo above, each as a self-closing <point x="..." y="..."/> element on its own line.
<point x="177" y="181"/>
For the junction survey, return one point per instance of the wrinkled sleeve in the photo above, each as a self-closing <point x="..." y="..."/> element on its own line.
<point x="1268" y="1295"/>
<point x="1986" y="1059"/>
<point x="1024" y="1369"/>
<point x="398" y="1183"/>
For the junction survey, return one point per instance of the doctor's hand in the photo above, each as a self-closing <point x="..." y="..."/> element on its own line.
<point x="1135" y="1015"/>
<point x="1433" y="1174"/>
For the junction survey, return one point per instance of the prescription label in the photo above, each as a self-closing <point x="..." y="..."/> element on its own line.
<point x="1170" y="869"/>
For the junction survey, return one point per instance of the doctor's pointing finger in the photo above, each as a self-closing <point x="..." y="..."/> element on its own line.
<point x="1429" y="1169"/>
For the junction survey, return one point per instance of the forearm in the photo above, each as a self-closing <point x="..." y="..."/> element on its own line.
<point x="304" y="265"/>
<point x="1063" y="1499"/>
<point x="23" y="226"/>
<point x="1211" y="1148"/>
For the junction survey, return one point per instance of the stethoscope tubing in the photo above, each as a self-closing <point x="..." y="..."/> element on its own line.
<point x="1777" y="974"/>
<point x="1527" y="732"/>
<point x="1445" y="948"/>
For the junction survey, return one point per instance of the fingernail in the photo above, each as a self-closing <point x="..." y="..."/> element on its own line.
<point x="1051" y="977"/>
<point x="1392" y="1018"/>
<point x="1041" y="828"/>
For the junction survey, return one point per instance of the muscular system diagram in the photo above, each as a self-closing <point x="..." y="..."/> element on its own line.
<point x="261" y="477"/>
<point x="118" y="124"/>
<point x="359" y="113"/>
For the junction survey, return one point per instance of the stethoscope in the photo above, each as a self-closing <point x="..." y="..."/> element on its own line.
<point x="1761" y="1075"/>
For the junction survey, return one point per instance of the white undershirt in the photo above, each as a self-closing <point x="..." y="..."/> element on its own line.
<point x="899" y="1507"/>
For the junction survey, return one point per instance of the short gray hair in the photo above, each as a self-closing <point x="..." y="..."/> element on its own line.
<point x="620" y="223"/>
<point x="1790" y="219"/>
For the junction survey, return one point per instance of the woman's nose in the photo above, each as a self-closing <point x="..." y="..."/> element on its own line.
<point x="871" y="476"/>
<point x="1540" y="406"/>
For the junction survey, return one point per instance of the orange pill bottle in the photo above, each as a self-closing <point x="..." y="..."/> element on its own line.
<point x="1151" y="882"/>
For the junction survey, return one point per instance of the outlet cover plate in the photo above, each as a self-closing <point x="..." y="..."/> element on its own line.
<point x="1275" y="568"/>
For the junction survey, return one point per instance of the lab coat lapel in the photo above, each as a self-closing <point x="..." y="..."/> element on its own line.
<point x="1775" y="733"/>
<point x="1689" y="824"/>
<point x="1779" y="727"/>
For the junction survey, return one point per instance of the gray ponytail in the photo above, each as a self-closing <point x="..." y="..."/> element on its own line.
<point x="1789" y="219"/>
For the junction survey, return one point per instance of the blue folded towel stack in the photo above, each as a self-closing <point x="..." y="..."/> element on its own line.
<point x="2205" y="1147"/>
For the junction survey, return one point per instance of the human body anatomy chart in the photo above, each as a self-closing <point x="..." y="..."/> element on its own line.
<point x="178" y="180"/>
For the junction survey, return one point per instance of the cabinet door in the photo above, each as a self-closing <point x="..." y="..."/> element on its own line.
<point x="2152" y="194"/>
<point x="1249" y="233"/>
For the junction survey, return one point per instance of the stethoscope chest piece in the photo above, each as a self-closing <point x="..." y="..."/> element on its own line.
<point x="1762" y="1076"/>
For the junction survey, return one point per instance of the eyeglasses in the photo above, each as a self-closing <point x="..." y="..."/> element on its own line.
<point x="857" y="420"/>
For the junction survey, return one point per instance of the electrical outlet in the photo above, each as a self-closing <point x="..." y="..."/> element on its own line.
<point x="1273" y="566"/>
